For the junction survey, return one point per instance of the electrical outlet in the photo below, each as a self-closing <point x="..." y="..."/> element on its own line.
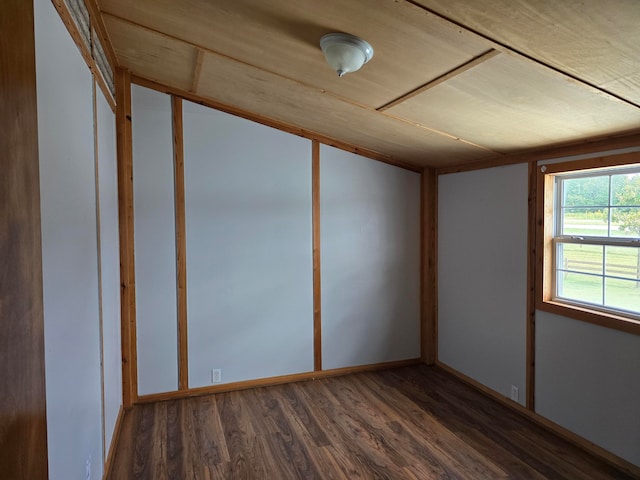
<point x="216" y="375"/>
<point x="514" y="393"/>
<point x="87" y="469"/>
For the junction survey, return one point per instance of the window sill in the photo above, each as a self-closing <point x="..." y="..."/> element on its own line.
<point x="584" y="314"/>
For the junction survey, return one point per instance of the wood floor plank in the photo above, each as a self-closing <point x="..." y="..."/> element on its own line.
<point x="414" y="422"/>
<point x="458" y="458"/>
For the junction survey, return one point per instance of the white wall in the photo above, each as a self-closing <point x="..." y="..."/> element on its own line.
<point x="110" y="264"/>
<point x="587" y="380"/>
<point x="482" y="275"/>
<point x="155" y="246"/>
<point x="249" y="263"/>
<point x="586" y="376"/>
<point x="370" y="259"/>
<point x="69" y="250"/>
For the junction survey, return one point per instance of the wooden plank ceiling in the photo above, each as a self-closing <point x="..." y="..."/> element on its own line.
<point x="450" y="83"/>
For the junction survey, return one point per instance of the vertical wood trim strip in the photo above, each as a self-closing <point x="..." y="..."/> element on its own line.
<point x="531" y="286"/>
<point x="428" y="262"/>
<point x="181" y="243"/>
<point x="317" y="294"/>
<point x="23" y="416"/>
<point x="99" y="259"/>
<point x="197" y="68"/>
<point x="125" y="218"/>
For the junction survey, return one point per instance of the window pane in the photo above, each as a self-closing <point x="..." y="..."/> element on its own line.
<point x="580" y="258"/>
<point x="585" y="221"/>
<point x="580" y="287"/>
<point x="623" y="262"/>
<point x="625" y="222"/>
<point x="585" y="192"/>
<point x="626" y="189"/>
<point x="622" y="294"/>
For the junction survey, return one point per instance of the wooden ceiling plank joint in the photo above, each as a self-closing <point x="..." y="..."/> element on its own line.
<point x="504" y="48"/>
<point x="441" y="79"/>
<point x="440" y="132"/>
<point x="197" y="69"/>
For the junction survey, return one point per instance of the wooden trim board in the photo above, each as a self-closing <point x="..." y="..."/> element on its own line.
<point x="428" y="263"/>
<point x="441" y="79"/>
<point x="197" y="69"/>
<point x="125" y="220"/>
<point x="181" y="243"/>
<point x="86" y="54"/>
<point x="263" y="382"/>
<point x="108" y="464"/>
<point x="97" y="22"/>
<point x="317" y="286"/>
<point x="531" y="287"/>
<point x="568" y="435"/>
<point x="614" y="142"/>
<point x="99" y="258"/>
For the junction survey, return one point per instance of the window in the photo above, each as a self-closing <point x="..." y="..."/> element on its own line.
<point x="590" y="239"/>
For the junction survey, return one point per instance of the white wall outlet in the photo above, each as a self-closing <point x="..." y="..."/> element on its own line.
<point x="514" y="393"/>
<point x="216" y="375"/>
<point x="87" y="469"/>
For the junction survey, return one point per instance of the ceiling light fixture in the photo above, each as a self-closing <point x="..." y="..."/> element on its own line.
<point x="345" y="53"/>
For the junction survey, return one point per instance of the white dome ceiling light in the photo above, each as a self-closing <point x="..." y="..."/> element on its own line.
<point x="345" y="53"/>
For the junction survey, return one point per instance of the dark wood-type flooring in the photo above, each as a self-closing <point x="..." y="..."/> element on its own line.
<point x="407" y="423"/>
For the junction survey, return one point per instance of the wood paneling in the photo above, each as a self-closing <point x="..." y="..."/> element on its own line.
<point x="415" y="422"/>
<point x="441" y="79"/>
<point x="23" y="425"/>
<point x="127" y="259"/>
<point x="508" y="105"/>
<point x="593" y="40"/>
<point x="157" y="57"/>
<point x="284" y="37"/>
<point x="245" y="87"/>
<point x="442" y="102"/>
<point x="242" y="86"/>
